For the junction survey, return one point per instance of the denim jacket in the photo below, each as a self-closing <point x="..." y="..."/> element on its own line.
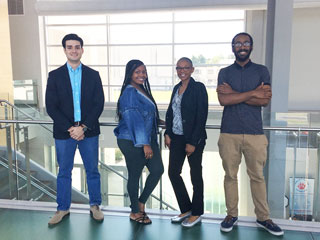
<point x="138" y="117"/>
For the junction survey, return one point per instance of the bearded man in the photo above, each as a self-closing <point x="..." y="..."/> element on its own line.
<point x="243" y="88"/>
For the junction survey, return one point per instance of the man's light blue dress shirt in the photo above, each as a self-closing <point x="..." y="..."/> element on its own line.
<point x="75" y="78"/>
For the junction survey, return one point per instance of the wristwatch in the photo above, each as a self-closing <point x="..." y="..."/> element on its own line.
<point x="84" y="128"/>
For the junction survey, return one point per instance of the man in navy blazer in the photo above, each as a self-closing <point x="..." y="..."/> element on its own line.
<point x="75" y="101"/>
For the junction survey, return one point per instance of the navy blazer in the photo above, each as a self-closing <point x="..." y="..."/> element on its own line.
<point x="194" y="112"/>
<point x="59" y="101"/>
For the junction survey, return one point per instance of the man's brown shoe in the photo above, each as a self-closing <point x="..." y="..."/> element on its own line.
<point x="57" y="217"/>
<point x="96" y="213"/>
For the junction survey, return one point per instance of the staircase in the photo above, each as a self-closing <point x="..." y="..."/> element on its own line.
<point x="38" y="191"/>
<point x="26" y="179"/>
<point x="42" y="186"/>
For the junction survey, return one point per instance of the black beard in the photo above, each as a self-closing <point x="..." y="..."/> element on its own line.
<point x="242" y="58"/>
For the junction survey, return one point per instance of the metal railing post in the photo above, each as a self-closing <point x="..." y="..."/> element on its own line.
<point x="10" y="161"/>
<point x="297" y="139"/>
<point x="27" y="160"/>
<point x="125" y="191"/>
<point x="104" y="180"/>
<point x="141" y="182"/>
<point x="83" y="180"/>
<point x="9" y="152"/>
<point x="18" y="136"/>
<point x="160" y="146"/>
<point x="316" y="213"/>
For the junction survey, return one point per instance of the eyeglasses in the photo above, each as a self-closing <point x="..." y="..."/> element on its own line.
<point x="182" y="68"/>
<point x="240" y="44"/>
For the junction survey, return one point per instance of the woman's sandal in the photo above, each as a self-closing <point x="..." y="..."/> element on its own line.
<point x="142" y="220"/>
<point x="138" y="219"/>
<point x="146" y="217"/>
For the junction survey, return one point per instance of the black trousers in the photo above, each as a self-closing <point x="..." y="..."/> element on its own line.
<point x="176" y="160"/>
<point x="136" y="161"/>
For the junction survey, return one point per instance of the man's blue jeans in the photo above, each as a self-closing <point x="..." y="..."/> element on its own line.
<point x="65" y="149"/>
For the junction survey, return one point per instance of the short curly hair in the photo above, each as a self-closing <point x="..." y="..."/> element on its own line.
<point x="242" y="33"/>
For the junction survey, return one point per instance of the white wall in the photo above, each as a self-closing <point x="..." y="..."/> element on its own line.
<point x="256" y="26"/>
<point x="304" y="89"/>
<point x="25" y="45"/>
<point x="304" y="85"/>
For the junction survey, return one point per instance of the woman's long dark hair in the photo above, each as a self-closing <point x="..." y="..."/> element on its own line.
<point x="131" y="66"/>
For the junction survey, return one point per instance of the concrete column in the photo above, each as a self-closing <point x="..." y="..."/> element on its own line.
<point x="6" y="90"/>
<point x="278" y="48"/>
<point x="278" y="51"/>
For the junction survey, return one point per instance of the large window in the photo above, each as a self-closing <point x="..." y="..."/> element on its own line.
<point x="159" y="39"/>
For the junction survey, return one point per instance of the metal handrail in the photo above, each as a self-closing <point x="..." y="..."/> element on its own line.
<point x="24" y="113"/>
<point x="32" y="108"/>
<point x="208" y="126"/>
<point x="101" y="163"/>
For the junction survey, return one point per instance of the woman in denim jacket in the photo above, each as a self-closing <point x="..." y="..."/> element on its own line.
<point x="186" y="136"/>
<point x="137" y="136"/>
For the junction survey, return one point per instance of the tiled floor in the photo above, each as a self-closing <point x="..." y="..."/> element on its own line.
<point x="32" y="225"/>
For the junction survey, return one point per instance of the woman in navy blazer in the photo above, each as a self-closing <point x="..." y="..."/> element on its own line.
<point x="185" y="136"/>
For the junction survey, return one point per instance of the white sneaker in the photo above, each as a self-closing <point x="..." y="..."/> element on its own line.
<point x="187" y="224"/>
<point x="178" y="219"/>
